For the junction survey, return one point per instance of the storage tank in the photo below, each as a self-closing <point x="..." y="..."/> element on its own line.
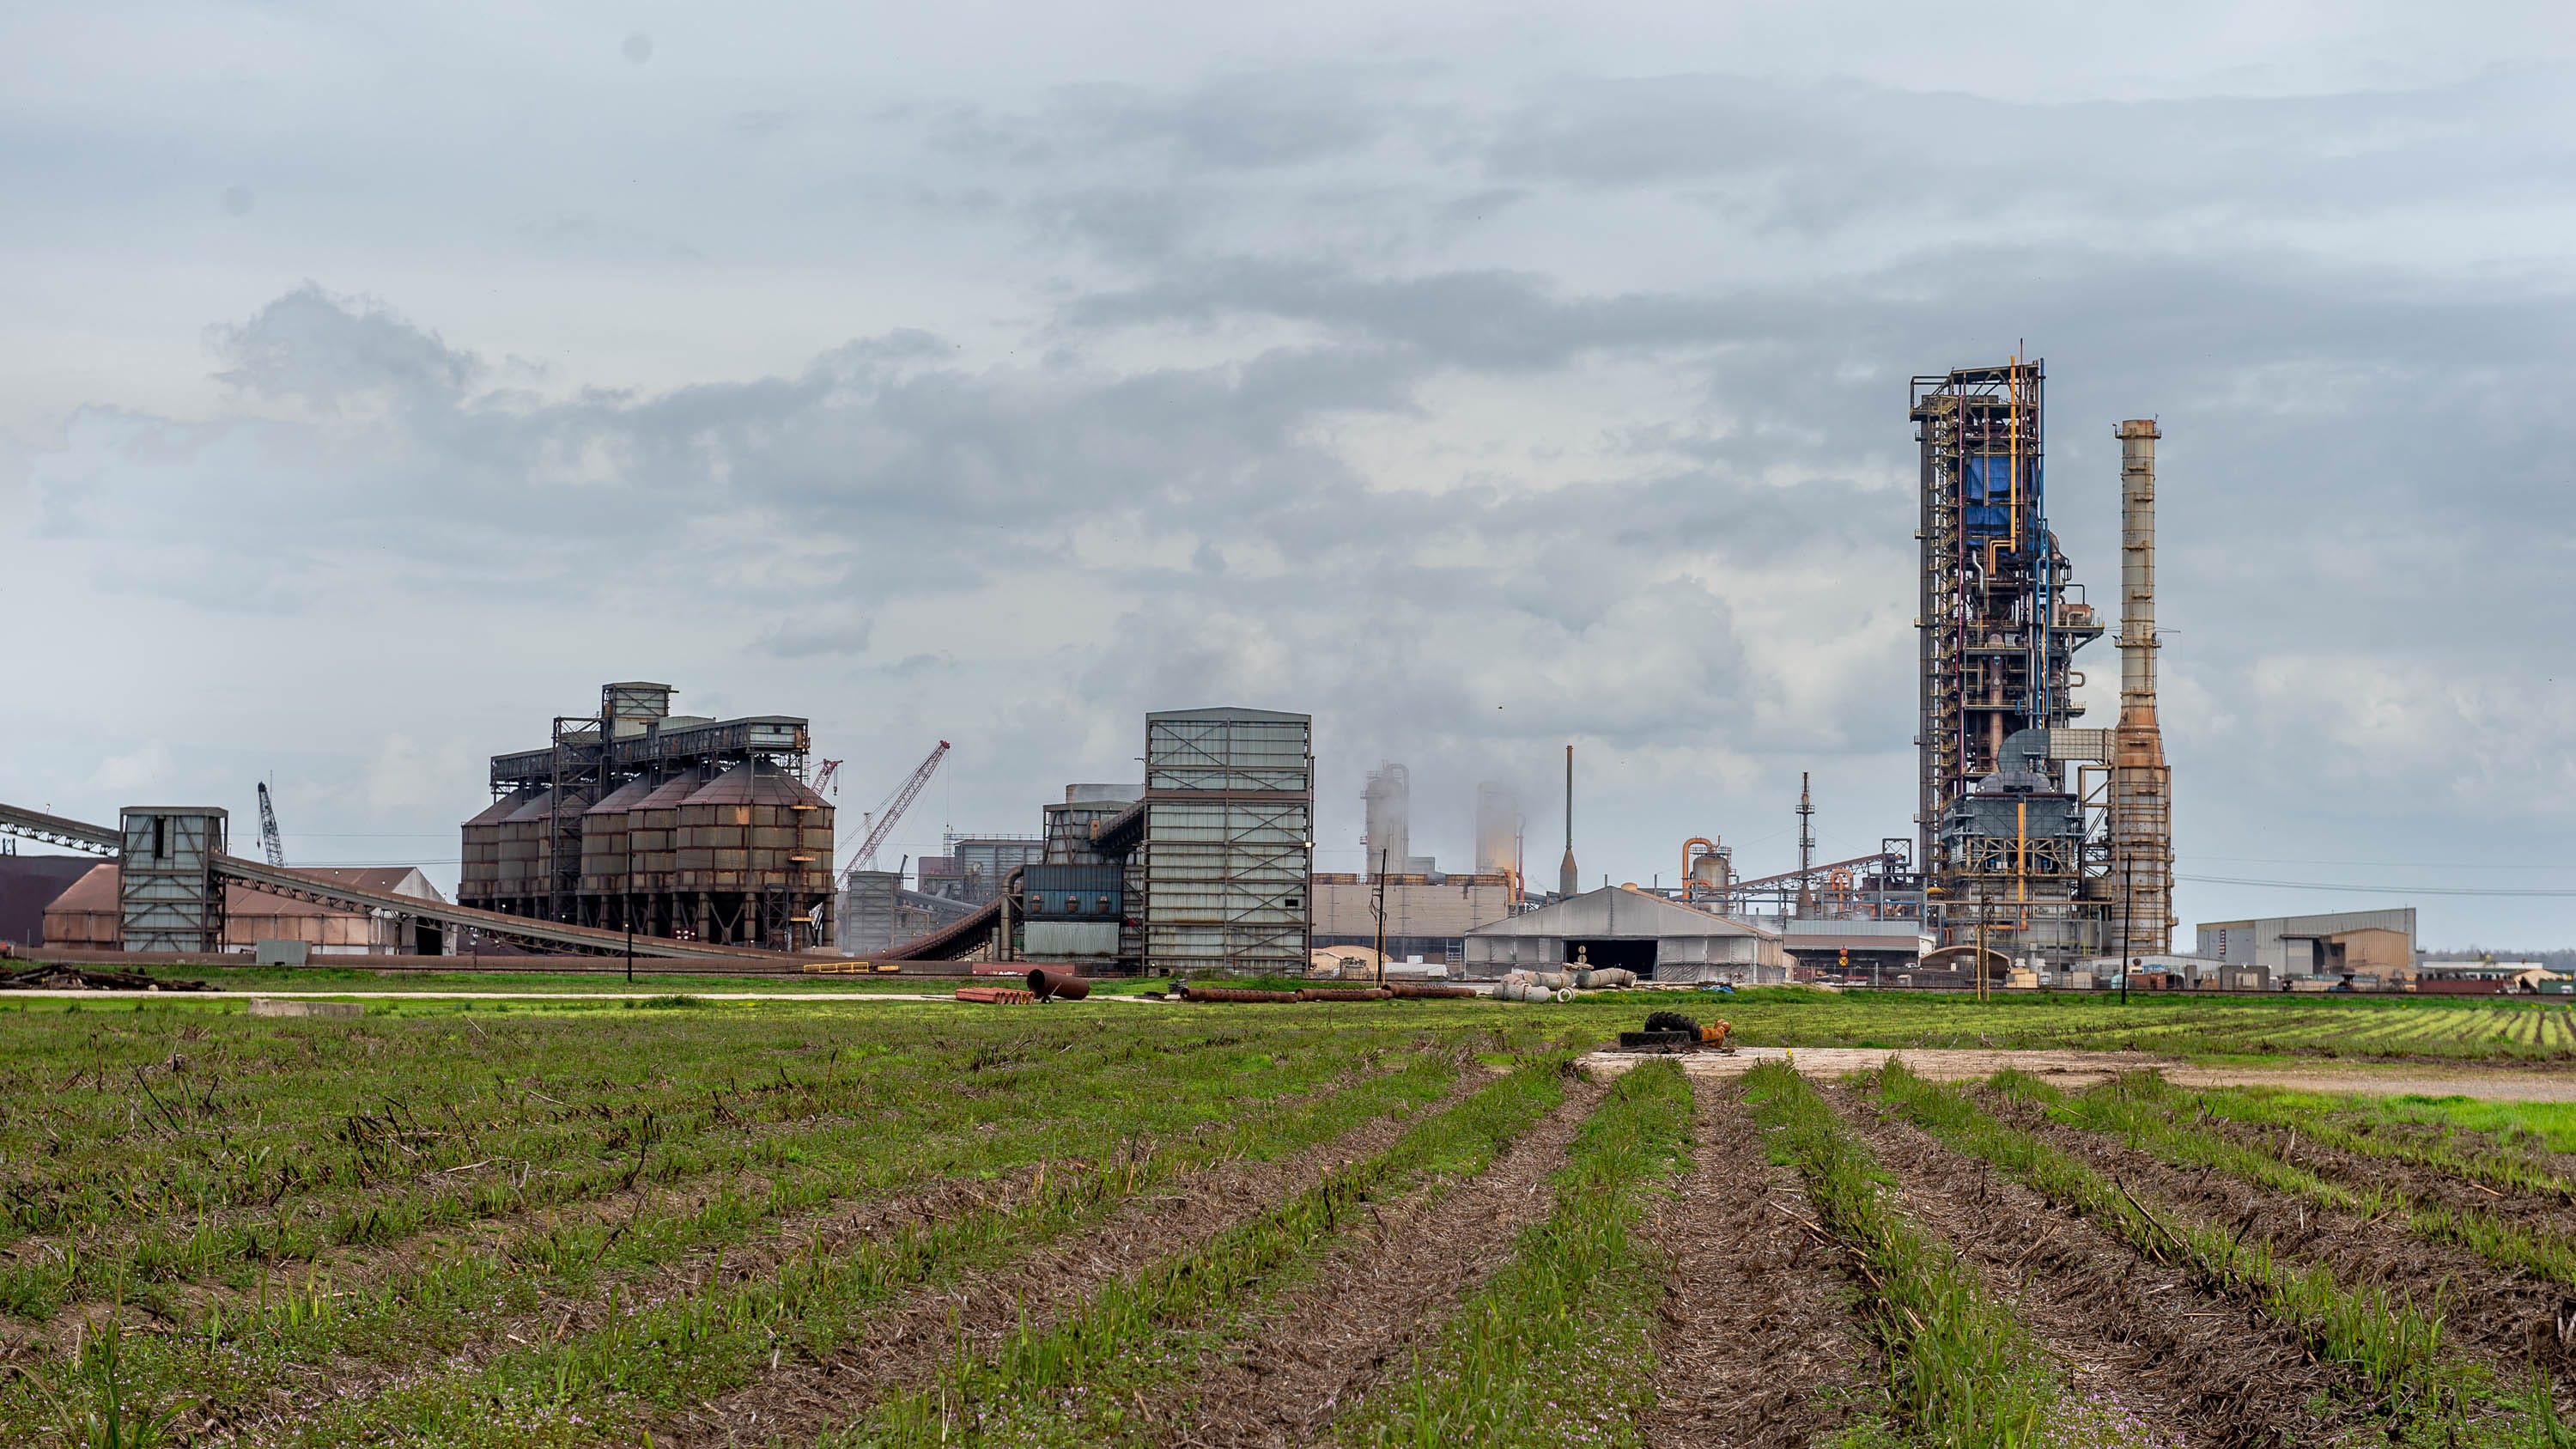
<point x="604" y="829"/>
<point x="755" y="828"/>
<point x="652" y="824"/>
<point x="526" y="849"/>
<point x="478" y="878"/>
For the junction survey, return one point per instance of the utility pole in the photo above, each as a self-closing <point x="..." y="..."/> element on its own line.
<point x="1984" y="895"/>
<point x="2128" y="898"/>
<point x="1806" y="849"/>
<point x="630" y="900"/>
<point x="1381" y="918"/>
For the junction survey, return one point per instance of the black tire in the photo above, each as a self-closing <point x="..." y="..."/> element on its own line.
<point x="1671" y="1021"/>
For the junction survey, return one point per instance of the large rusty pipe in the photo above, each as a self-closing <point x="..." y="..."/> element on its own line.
<point x="1057" y="985"/>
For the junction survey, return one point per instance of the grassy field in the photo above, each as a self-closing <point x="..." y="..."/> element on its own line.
<point x="2197" y="1027"/>
<point x="546" y="1223"/>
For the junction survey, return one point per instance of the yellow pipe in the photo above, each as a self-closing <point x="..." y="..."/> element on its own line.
<point x="2012" y="459"/>
<point x="2021" y="861"/>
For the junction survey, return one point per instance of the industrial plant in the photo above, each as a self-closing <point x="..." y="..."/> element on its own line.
<point x="2041" y="849"/>
<point x="673" y="826"/>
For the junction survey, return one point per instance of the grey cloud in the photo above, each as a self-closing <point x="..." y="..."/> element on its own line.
<point x="1817" y="156"/>
<point x="311" y="345"/>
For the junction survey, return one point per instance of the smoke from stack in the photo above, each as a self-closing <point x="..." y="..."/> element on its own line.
<point x="1498" y="828"/>
<point x="1388" y="825"/>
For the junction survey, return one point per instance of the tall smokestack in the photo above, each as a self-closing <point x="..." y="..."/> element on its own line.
<point x="1568" y="883"/>
<point x="2141" y="784"/>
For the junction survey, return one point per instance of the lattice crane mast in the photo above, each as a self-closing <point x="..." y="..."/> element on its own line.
<point x="881" y="824"/>
<point x="827" y="780"/>
<point x="271" y="844"/>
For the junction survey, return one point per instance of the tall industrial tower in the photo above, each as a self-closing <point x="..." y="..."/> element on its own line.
<point x="2000" y="625"/>
<point x="2141" y="813"/>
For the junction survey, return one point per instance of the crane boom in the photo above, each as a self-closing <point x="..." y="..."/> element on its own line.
<point x="271" y="843"/>
<point x="882" y="824"/>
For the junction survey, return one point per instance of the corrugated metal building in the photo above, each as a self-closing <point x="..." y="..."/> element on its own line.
<point x="1229" y="836"/>
<point x="1426" y="915"/>
<point x="1658" y="939"/>
<point x="2334" y="943"/>
<point x="85" y="917"/>
<point x="31" y="883"/>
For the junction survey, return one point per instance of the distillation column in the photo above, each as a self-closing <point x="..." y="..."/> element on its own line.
<point x="2141" y="784"/>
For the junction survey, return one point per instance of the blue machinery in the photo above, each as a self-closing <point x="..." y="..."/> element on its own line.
<point x="1999" y="626"/>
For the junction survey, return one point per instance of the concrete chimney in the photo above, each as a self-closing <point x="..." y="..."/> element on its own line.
<point x="1568" y="882"/>
<point x="2141" y="784"/>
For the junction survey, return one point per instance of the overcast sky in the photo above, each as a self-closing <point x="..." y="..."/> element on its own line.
<point x="1473" y="377"/>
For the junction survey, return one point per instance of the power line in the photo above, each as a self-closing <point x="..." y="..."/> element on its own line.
<point x="2416" y="890"/>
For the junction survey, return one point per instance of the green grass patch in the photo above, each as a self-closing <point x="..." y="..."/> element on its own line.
<point x="2390" y="1348"/>
<point x="1556" y="1349"/>
<point x="1071" y="1383"/>
<point x="1963" y="1370"/>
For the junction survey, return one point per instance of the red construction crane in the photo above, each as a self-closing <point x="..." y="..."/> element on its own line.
<point x="881" y="824"/>
<point x="827" y="780"/>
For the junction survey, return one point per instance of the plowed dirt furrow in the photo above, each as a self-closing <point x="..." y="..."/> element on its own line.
<point x="913" y="1337"/>
<point x="1381" y="1289"/>
<point x="2502" y="1319"/>
<point x="2541" y="1212"/>
<point x="2129" y="1330"/>
<point x="1757" y="1328"/>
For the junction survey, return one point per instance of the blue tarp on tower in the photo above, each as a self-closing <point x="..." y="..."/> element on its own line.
<point x="1986" y="485"/>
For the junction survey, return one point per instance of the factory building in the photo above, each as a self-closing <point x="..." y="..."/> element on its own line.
<point x="29" y="884"/>
<point x="2048" y="842"/>
<point x="686" y="827"/>
<point x="970" y="869"/>
<point x="2357" y="943"/>
<point x="87" y="916"/>
<point x="873" y="911"/>
<point x="1873" y="951"/>
<point x="1228" y="840"/>
<point x="1426" y="915"/>
<point x="1659" y="939"/>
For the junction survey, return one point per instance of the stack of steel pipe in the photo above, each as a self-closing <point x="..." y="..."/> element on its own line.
<point x="995" y="995"/>
<point x="1232" y="993"/>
